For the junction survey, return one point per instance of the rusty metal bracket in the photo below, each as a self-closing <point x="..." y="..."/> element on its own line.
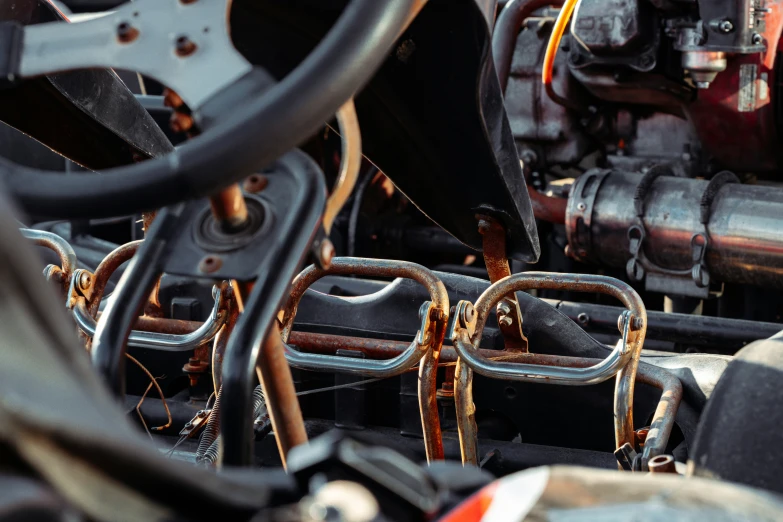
<point x="508" y="313"/>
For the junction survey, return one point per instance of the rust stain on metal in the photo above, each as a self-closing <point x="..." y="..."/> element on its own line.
<point x="104" y="271"/>
<point x="210" y="264"/>
<point x="494" y="246"/>
<point x="278" y="385"/>
<point x="428" y="368"/>
<point x="229" y="207"/>
<point x="255" y="183"/>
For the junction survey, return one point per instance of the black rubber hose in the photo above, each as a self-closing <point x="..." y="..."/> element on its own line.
<point x="259" y="130"/>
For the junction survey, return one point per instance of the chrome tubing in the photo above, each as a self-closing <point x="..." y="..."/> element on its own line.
<point x="160" y="341"/>
<point x="426" y="346"/>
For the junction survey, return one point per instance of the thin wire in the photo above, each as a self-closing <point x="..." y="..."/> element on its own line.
<point x="154" y="381"/>
<point x="338" y="387"/>
<point x="138" y="410"/>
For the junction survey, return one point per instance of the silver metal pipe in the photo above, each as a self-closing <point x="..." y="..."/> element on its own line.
<point x="745" y="244"/>
<point x="426" y="347"/>
<point x="56" y="243"/>
<point x="367" y="367"/>
<point x="161" y="341"/>
<point x="622" y="361"/>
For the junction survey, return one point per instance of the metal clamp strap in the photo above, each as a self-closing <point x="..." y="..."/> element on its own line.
<point x="160" y="341"/>
<point x="633" y="320"/>
<point x="431" y="313"/>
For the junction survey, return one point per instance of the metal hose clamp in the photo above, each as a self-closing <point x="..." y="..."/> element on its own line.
<point x="425" y="347"/>
<point x="468" y="327"/>
<point x="161" y="341"/>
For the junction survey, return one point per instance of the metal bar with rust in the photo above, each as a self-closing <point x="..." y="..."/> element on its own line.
<point x="496" y="261"/>
<point x="660" y="428"/>
<point x="280" y="392"/>
<point x="438" y="314"/>
<point x="104" y="271"/>
<point x="229" y="207"/>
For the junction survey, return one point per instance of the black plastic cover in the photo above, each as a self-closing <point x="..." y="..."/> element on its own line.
<point x="432" y="119"/>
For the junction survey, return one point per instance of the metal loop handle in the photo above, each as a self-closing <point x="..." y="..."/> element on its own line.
<point x="523" y="372"/>
<point x="430" y="313"/>
<point x="161" y="341"/>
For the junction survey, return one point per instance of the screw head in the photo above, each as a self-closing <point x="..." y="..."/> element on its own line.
<point x="210" y="264"/>
<point x="255" y="183"/>
<point x="583" y="319"/>
<point x="581" y="207"/>
<point x="757" y="39"/>
<point x="85" y="280"/>
<point x="503" y="308"/>
<point x="184" y="46"/>
<point x="725" y="26"/>
<point x="126" y="33"/>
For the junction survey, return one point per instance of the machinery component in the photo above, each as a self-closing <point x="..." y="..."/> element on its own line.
<point x="427" y="342"/>
<point x="163" y="341"/>
<point x="691" y="229"/>
<point x="623" y="361"/>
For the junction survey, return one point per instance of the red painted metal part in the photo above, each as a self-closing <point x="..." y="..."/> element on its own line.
<point x="743" y="141"/>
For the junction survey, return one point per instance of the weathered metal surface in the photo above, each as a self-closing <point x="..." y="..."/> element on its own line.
<point x="280" y="392"/>
<point x="496" y="260"/>
<point x="436" y="317"/>
<point x="104" y="271"/>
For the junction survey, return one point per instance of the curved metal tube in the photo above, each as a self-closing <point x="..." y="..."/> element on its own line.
<point x="368" y="367"/>
<point x="567" y="376"/>
<point x="350" y="162"/>
<point x="161" y="341"/>
<point x="56" y="243"/>
<point x="364" y="267"/>
<point x="106" y="268"/>
<point x="624" y="357"/>
<point x="427" y="344"/>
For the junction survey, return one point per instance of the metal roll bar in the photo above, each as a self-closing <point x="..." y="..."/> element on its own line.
<point x="161" y="341"/>
<point x="468" y="327"/>
<point x="425" y="347"/>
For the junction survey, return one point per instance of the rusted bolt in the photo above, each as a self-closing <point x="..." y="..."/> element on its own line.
<point x="85" y="280"/>
<point x="180" y="122"/>
<point x="505" y="320"/>
<point x="172" y="99"/>
<point x="210" y="264"/>
<point x="469" y="312"/>
<point x="483" y="226"/>
<point x="185" y="46"/>
<point x="583" y="319"/>
<point x="436" y="314"/>
<point x="637" y="323"/>
<point x="126" y="33"/>
<point x="255" y="183"/>
<point x="503" y="308"/>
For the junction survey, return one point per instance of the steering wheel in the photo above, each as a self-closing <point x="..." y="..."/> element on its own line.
<point x="247" y="120"/>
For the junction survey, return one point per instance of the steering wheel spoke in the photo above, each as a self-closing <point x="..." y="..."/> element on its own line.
<point x="185" y="44"/>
